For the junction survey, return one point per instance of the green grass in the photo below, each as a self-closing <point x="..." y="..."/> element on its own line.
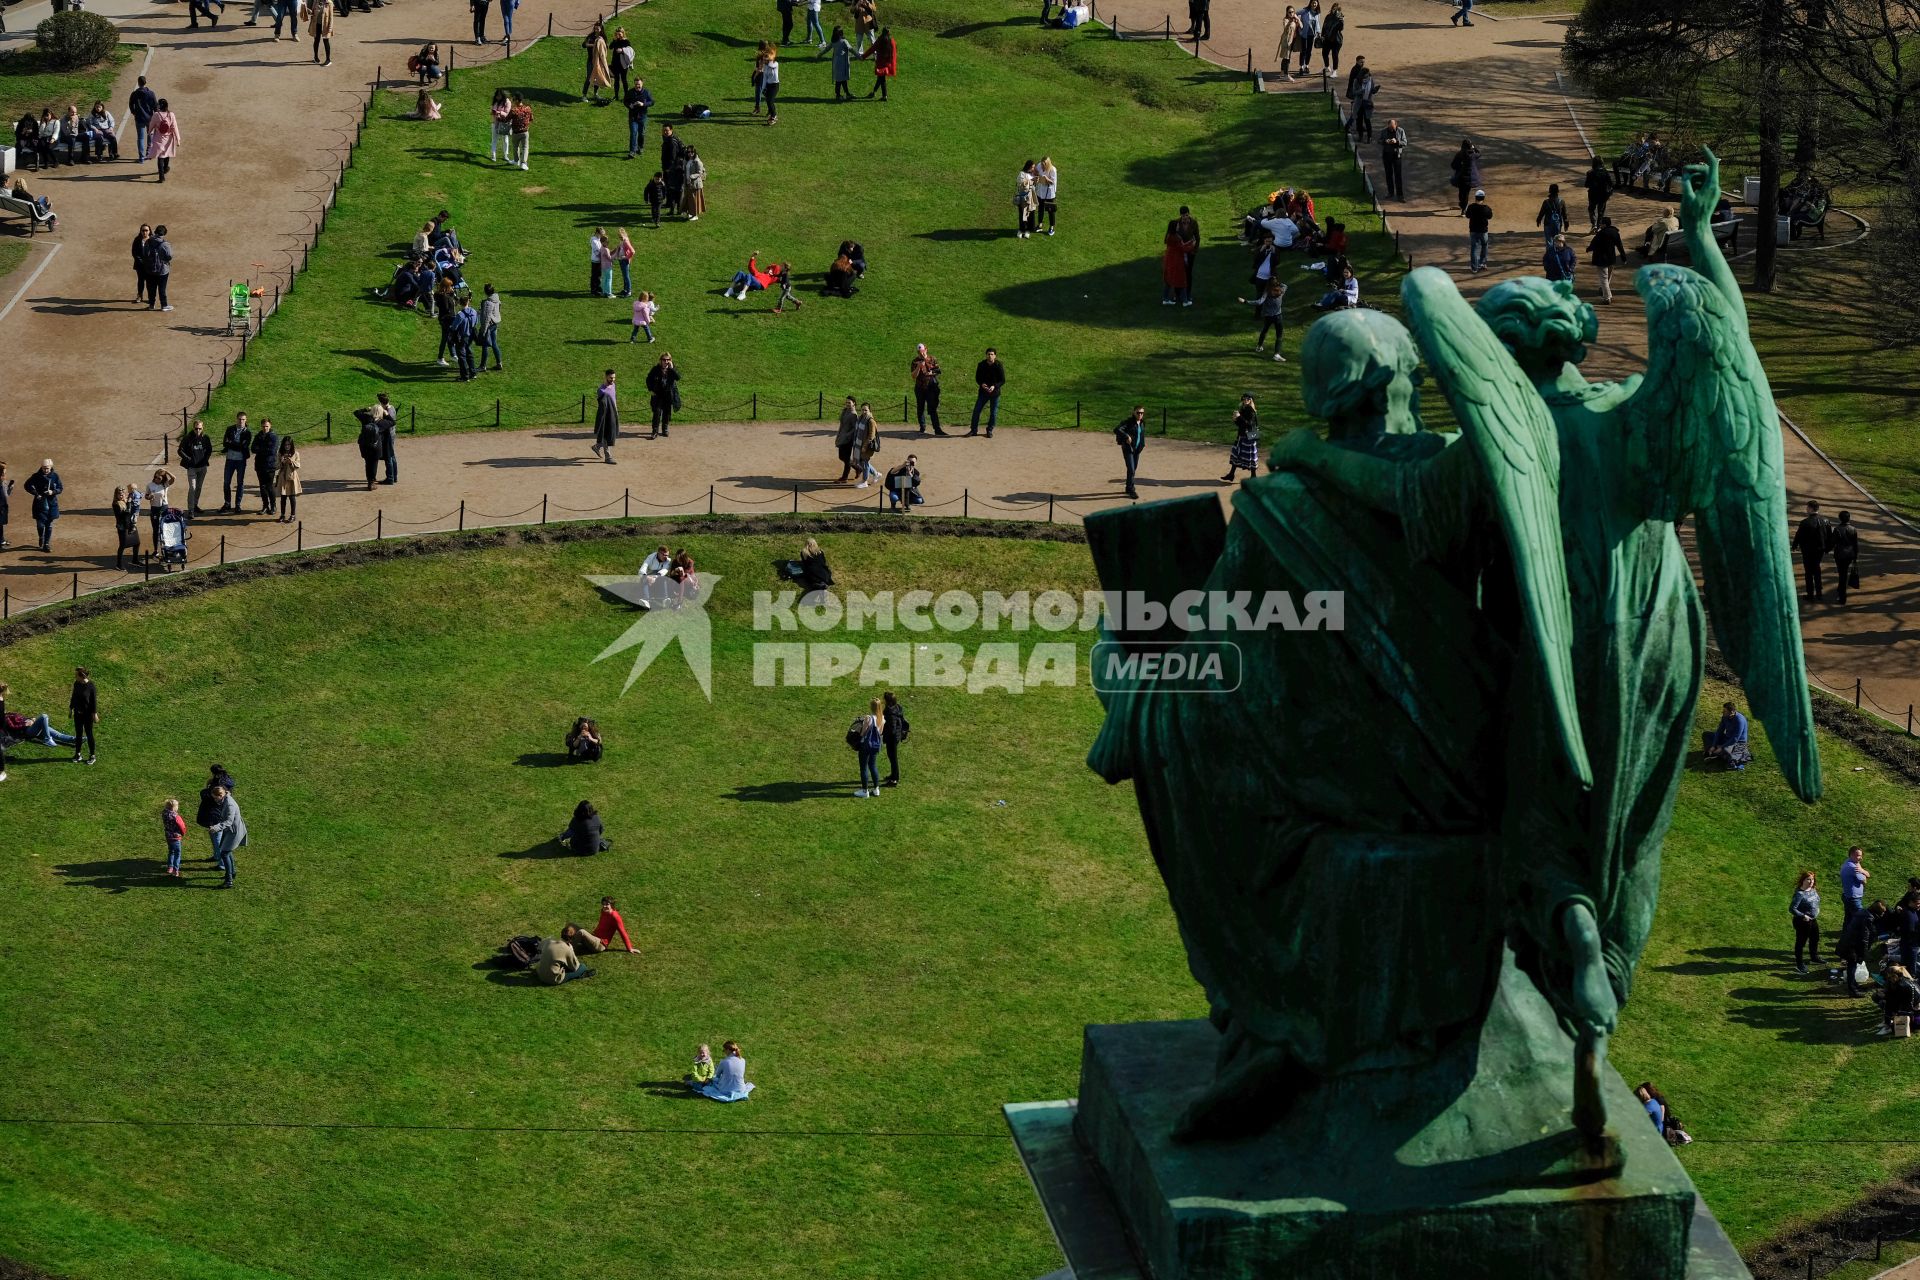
<point x="12" y="254"/>
<point x="26" y="83"/>
<point x="924" y="182"/>
<point x="903" y="966"/>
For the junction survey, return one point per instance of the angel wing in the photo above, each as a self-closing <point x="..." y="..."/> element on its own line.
<point x="1707" y="442"/>
<point x="1512" y="434"/>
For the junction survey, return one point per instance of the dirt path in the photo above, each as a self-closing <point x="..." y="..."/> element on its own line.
<point x="99" y="381"/>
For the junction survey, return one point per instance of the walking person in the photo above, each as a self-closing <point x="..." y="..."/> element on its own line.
<point x="320" y="27"/>
<point x="490" y="329"/>
<point x="142" y="285"/>
<point x="663" y="393"/>
<point x="1606" y="251"/>
<point x="1246" y="441"/>
<point x="598" y="77"/>
<point x="886" y="62"/>
<point x="507" y="8"/>
<point x="1558" y="261"/>
<point x="786" y="19"/>
<point x="770" y="88"/>
<point x="693" y="197"/>
<point x="841" y="52"/>
<point x="1131" y="436"/>
<point x="387" y="419"/>
<point x="866" y="443"/>
<point x="1465" y="166"/>
<point x="1362" y="119"/>
<point x="606" y="418"/>
<point x="159" y="266"/>
<point x="1846" y="553"/>
<point x="286" y="482"/>
<point x="1552" y="215"/>
<point x="266" y="464"/>
<point x="1813" y="539"/>
<point x="479" y="8"/>
<point x="1463" y="16"/>
<point x="1804" y="908"/>
<point x="499" y="129"/>
<point x="195" y="453"/>
<point x="1393" y="148"/>
<point x="866" y="736"/>
<point x="163" y="140"/>
<point x="173" y="828"/>
<point x="1599" y="184"/>
<point x="126" y="524"/>
<point x="1304" y="40"/>
<point x="1269" y="309"/>
<point x="229" y="832"/>
<point x="990" y="376"/>
<point x="866" y="23"/>
<point x="141" y="104"/>
<point x="520" y="129"/>
<point x="925" y="371"/>
<point x="644" y="310"/>
<point x="45" y="487"/>
<point x="1479" y="232"/>
<point x="156" y="500"/>
<point x="84" y="705"/>
<point x="6" y="494"/>
<point x="893" y="732"/>
<point x="639" y="101"/>
<point x="843" y="439"/>
<point x="814" y="31"/>
<point x="1333" y="34"/>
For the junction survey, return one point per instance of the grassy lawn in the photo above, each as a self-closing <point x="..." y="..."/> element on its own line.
<point x="309" y="1077"/>
<point x="924" y="182"/>
<point x="27" y="84"/>
<point x="12" y="254"/>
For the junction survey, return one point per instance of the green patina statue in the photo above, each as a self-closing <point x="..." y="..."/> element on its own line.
<point x="1484" y="759"/>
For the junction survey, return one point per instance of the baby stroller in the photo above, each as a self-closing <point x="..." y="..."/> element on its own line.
<point x="173" y="538"/>
<point x="239" y="307"/>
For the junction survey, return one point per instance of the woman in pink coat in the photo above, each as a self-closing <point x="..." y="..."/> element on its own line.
<point x="163" y="133"/>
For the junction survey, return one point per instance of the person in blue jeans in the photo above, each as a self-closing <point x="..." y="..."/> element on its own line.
<point x="1463" y="16"/>
<point x="1131" y="436"/>
<point x="903" y="484"/>
<point x="490" y="329"/>
<point x="235" y="447"/>
<point x="1479" y="229"/>
<point x="867" y="734"/>
<point x="1853" y="884"/>
<point x="989" y="375"/>
<point x="141" y="104"/>
<point x="639" y="101"/>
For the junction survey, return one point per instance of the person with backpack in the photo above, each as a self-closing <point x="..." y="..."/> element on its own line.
<point x="1846" y="553"/>
<point x="1131" y="436"/>
<point x="208" y="812"/>
<point x="893" y="731"/>
<point x="84" y="703"/>
<point x="159" y="266"/>
<point x="866" y="735"/>
<point x="1552" y="216"/>
<point x="1558" y="261"/>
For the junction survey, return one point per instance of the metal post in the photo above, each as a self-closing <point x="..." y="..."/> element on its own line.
<point x="543" y="508"/>
<point x="6" y="603"/>
<point x="1076" y="413"/>
<point x="447" y="82"/>
<point x="223" y="548"/>
<point x="496" y="411"/>
<point x="1249" y="60"/>
<point x="626" y="504"/>
<point x="329" y="424"/>
<point x="379" y="524"/>
<point x="1049" y="508"/>
<point x="183" y="419"/>
<point x="374" y="87"/>
<point x="965" y="505"/>
<point x="906" y="414"/>
<point x="207" y="403"/>
<point x="146" y="569"/>
<point x="300" y="535"/>
<point x="1163" y="419"/>
<point x="583" y="407"/>
<point x="1169" y="32"/>
<point x="710" y="512"/>
<point x="76" y="586"/>
<point x="223" y="369"/>
<point x="243" y="344"/>
<point x="413" y="419"/>
<point x="1909" y="719"/>
<point x="463" y="515"/>
<point x="1856" y="694"/>
<point x="549" y="26"/>
<point x="276" y="300"/>
<point x="796" y="499"/>
<point x="822" y="415"/>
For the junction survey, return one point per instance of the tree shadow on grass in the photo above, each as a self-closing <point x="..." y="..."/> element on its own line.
<point x="1795" y="1015"/>
<point x="117" y="875"/>
<point x="392" y="368"/>
<point x="787" y="792"/>
<point x="975" y="28"/>
<point x="948" y="235"/>
<point x="731" y="41"/>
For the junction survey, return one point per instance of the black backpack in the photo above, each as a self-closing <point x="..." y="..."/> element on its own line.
<point x="520" y="952"/>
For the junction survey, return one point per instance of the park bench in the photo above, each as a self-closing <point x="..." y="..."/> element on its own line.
<point x="24" y="209"/>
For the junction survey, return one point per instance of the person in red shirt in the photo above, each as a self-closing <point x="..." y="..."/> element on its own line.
<point x="610" y="924"/>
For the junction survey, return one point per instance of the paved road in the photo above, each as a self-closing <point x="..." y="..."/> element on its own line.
<point x="97" y="382"/>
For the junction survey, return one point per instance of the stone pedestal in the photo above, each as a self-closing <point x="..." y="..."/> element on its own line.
<point x="1364" y="1180"/>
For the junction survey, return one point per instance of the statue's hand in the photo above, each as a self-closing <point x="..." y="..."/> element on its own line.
<point x="1592" y="994"/>
<point x="1700" y="192"/>
<point x="1297" y="450"/>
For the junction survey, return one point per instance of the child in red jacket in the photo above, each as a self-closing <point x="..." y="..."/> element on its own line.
<point x="610" y="924"/>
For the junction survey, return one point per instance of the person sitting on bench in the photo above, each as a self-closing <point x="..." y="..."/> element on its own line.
<point x="100" y="130"/>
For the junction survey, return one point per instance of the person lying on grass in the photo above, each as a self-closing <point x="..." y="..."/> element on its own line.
<point x="751" y="278"/>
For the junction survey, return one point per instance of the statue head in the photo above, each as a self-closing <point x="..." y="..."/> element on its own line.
<point x="1541" y="322"/>
<point x="1361" y="374"/>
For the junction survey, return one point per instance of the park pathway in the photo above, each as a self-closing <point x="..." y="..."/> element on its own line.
<point x="95" y="382"/>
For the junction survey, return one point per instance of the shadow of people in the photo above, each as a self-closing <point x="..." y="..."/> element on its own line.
<point x="787" y="792"/>
<point x="548" y="848"/>
<point x="669" y="1089"/>
<point x="522" y="978"/>
<point x="117" y="875"/>
<point x="543" y="759"/>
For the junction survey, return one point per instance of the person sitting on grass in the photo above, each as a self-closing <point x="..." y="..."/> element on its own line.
<point x="557" y="963"/>
<point x="609" y="924"/>
<point x="585" y="834"/>
<point x="751" y="278"/>
<point x="682" y="582"/>
<point x="1900" y="1000"/>
<point x="1661" y="1114"/>
<point x="653" y="576"/>
<point x="854" y="253"/>
<point x="1728" y="743"/>
<point x="1344" y="293"/>
<point x="23" y="728"/>
<point x="840" y="278"/>
<point x="729" y="1083"/>
<point x="810" y="571"/>
<point x="583" y="741"/>
<point x="702" y="1074"/>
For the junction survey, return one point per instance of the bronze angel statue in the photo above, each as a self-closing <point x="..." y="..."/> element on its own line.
<point x="1482" y="760"/>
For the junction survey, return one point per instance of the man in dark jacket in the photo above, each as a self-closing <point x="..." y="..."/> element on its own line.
<point x="461" y="330"/>
<point x="236" y="446"/>
<point x="1599" y="186"/>
<point x="673" y="165"/>
<point x="989" y="375"/>
<point x="46" y="489"/>
<point x="1856" y="936"/>
<point x="1846" y="550"/>
<point x="6" y="491"/>
<point x="196" y="453"/>
<point x="84" y="703"/>
<point x="266" y="461"/>
<point x="141" y="104"/>
<point x="1813" y="539"/>
<point x="210" y="808"/>
<point x="387" y="419"/>
<point x="1131" y="436"/>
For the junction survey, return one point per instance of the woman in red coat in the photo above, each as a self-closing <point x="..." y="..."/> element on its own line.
<point x="886" y="62"/>
<point x="1173" y="270"/>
